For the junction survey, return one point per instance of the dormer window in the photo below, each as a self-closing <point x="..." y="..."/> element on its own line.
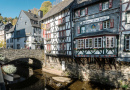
<point x="82" y="13"/>
<point x="106" y="24"/>
<point x="128" y="17"/>
<point x="82" y="29"/>
<point x="76" y="13"/>
<point x="105" y="5"/>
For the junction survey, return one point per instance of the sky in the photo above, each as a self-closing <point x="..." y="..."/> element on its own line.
<point x="12" y="8"/>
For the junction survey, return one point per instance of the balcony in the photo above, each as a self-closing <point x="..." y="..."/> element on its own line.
<point x="48" y="29"/>
<point x="48" y="39"/>
<point x="48" y="51"/>
<point x="96" y="52"/>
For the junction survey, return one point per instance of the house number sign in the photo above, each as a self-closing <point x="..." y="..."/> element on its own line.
<point x="95" y="20"/>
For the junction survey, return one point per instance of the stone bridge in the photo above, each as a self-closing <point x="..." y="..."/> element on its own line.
<point x="13" y="54"/>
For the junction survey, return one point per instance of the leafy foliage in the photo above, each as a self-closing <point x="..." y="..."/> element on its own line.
<point x="34" y="11"/>
<point x="45" y="7"/>
<point x="2" y="43"/>
<point x="9" y="19"/>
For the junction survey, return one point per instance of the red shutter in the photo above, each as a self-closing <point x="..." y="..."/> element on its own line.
<point x="86" y="10"/>
<point x="110" y="3"/>
<point x="59" y="34"/>
<point x="47" y="47"/>
<point x="44" y="33"/>
<point x="101" y="25"/>
<point x="58" y="21"/>
<point x="112" y="23"/>
<point x="78" y="30"/>
<point x="79" y="13"/>
<point x="100" y="6"/>
<point x="50" y="47"/>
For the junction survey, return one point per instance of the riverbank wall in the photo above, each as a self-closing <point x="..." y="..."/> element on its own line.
<point x="107" y="71"/>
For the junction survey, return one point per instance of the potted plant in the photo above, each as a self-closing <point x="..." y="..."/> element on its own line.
<point x="9" y="71"/>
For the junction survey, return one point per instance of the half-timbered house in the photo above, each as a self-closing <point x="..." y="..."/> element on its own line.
<point x="124" y="46"/>
<point x="56" y="28"/>
<point x="96" y="25"/>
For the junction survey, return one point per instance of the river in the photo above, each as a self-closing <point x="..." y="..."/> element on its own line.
<point x="34" y="79"/>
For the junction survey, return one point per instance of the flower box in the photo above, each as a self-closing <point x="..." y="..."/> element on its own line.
<point x="48" y="39"/>
<point x="48" y="51"/>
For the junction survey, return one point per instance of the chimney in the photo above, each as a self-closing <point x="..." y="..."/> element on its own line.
<point x="40" y="13"/>
<point x="29" y="11"/>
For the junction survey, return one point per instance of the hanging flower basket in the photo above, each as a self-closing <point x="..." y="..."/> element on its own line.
<point x="2" y="59"/>
<point x="9" y="69"/>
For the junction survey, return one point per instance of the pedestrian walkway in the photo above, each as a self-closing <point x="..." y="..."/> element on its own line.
<point x="52" y="71"/>
<point x="59" y="76"/>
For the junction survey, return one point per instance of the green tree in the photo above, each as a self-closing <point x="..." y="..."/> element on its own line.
<point x="45" y="7"/>
<point x="14" y="21"/>
<point x="2" y="44"/>
<point x="16" y="17"/>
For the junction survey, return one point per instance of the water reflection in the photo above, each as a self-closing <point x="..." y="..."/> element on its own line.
<point x="34" y="79"/>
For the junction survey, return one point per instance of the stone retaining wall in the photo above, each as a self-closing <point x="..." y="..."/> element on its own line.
<point x="104" y="71"/>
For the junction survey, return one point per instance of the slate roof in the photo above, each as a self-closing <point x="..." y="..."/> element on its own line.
<point x="11" y="30"/>
<point x="82" y="3"/>
<point x="58" y="8"/>
<point x="33" y="17"/>
<point x="97" y="33"/>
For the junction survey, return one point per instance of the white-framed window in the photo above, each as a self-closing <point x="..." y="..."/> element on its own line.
<point x="76" y="13"/>
<point x="128" y="17"/>
<point x="82" y="29"/>
<point x="80" y="43"/>
<point x="105" y="5"/>
<point x="88" y="43"/>
<point x="98" y="42"/>
<point x="127" y="42"/>
<point x="106" y="24"/>
<point x="110" y="42"/>
<point x="82" y="13"/>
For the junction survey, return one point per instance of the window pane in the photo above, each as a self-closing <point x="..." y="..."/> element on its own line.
<point x="83" y="29"/>
<point x="82" y="12"/>
<point x="127" y="37"/>
<point x="104" y="24"/>
<point x="95" y="42"/>
<point x="127" y="44"/>
<point x="82" y="44"/>
<point x="107" y="42"/>
<point x="99" y="42"/>
<point x="128" y="17"/>
<point x="86" y="42"/>
<point x="112" y="42"/>
<point x="107" y="24"/>
<point x="90" y="42"/>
